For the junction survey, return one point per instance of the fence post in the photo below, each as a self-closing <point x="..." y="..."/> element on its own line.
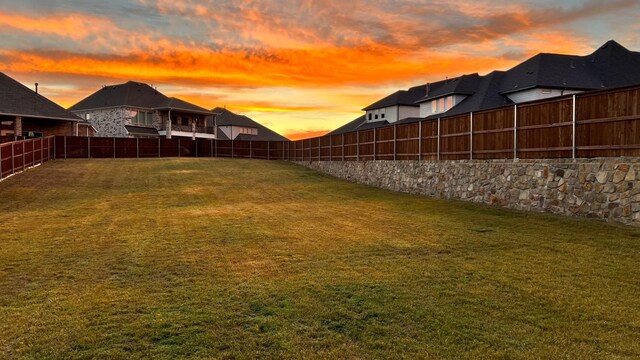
<point x="374" y="144"/>
<point x="420" y="141"/>
<point x="211" y="149"/>
<point x="158" y="147"/>
<point x="471" y="135"/>
<point x="232" y="147"/>
<point x="13" y="159"/>
<point x="330" y="147"/>
<point x="41" y="151"/>
<point x="215" y="147"/>
<point x="515" y="132"/>
<point x="1" y="162"/>
<point x="342" y="146"/>
<point x="65" y="146"/>
<point x="438" y="143"/>
<point x="114" y="147"/>
<point x="88" y="147"/>
<point x="138" y="148"/>
<point x="394" y="142"/>
<point x="196" y="140"/>
<point x="268" y="150"/>
<point x="24" y="147"/>
<point x="573" y="130"/>
<point x="357" y="145"/>
<point x="250" y="149"/>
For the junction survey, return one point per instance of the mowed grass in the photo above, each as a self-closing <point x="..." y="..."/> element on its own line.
<point x="208" y="258"/>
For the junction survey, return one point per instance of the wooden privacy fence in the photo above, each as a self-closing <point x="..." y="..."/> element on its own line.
<point x="593" y="124"/>
<point x="587" y="125"/>
<point x="74" y="147"/>
<point x="16" y="156"/>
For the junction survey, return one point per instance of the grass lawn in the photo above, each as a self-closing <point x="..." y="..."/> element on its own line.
<point x="209" y="258"/>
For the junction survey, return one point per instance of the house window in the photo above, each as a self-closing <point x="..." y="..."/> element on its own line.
<point x="449" y="103"/>
<point x="370" y="115"/>
<point x="441" y="105"/>
<point x="87" y="116"/>
<point x="382" y="116"/>
<point x="149" y="118"/>
<point x="434" y="106"/>
<point x="376" y="117"/>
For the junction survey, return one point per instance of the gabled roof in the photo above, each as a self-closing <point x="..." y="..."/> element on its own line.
<point x="611" y="65"/>
<point x="487" y="96"/>
<point x="463" y="85"/>
<point x="225" y="117"/>
<point x="135" y="94"/>
<point x="18" y="100"/>
<point x="402" y="97"/>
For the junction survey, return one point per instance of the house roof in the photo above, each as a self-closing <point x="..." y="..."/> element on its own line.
<point x="487" y="96"/>
<point x="18" y="100"/>
<point x="225" y="117"/>
<point x="402" y="97"/>
<point x="463" y="85"/>
<point x="141" y="130"/>
<point x="611" y="65"/>
<point x="135" y="94"/>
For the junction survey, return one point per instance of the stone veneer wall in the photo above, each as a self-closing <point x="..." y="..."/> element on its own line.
<point x="597" y="188"/>
<point x="111" y="122"/>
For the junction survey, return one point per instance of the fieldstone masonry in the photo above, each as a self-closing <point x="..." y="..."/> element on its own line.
<point x="597" y="188"/>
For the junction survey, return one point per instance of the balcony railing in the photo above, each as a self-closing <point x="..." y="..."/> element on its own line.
<point x="187" y="128"/>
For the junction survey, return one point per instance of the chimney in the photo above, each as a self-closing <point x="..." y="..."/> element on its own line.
<point x="36" y="88"/>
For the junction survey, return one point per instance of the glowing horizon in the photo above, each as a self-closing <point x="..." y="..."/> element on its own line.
<point x="299" y="68"/>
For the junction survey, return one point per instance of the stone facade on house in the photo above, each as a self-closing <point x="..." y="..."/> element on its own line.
<point x="606" y="189"/>
<point x="111" y="122"/>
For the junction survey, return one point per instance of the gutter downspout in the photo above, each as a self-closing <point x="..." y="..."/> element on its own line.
<point x="169" y="127"/>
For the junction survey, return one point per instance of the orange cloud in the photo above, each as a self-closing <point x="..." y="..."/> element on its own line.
<point x="71" y="25"/>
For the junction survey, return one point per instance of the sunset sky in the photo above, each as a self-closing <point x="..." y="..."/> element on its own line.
<point x="299" y="67"/>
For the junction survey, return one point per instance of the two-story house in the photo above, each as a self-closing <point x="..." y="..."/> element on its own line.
<point x="540" y="77"/>
<point x="136" y="109"/>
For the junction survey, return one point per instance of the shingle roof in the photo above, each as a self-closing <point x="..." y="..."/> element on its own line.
<point x="487" y="96"/>
<point x="611" y="65"/>
<point x="134" y="94"/>
<point x="141" y="130"/>
<point x="402" y="97"/>
<point x="18" y="100"/>
<point x="225" y="117"/>
<point x="463" y="85"/>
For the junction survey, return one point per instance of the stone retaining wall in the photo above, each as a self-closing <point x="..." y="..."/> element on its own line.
<point x="597" y="188"/>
